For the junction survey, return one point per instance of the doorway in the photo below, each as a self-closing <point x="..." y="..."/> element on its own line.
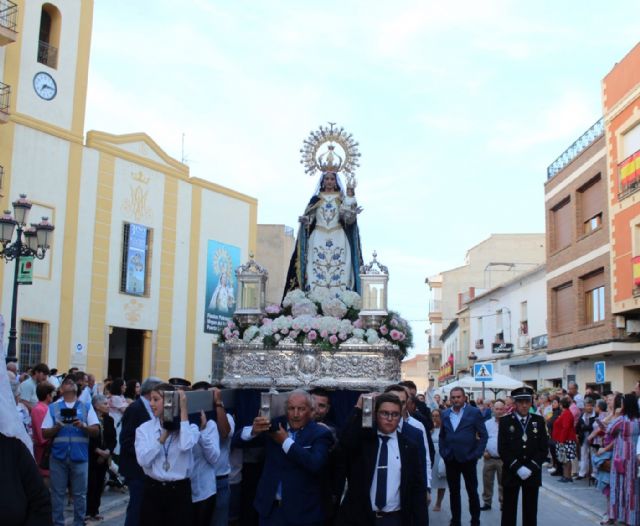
<point x="126" y="353"/>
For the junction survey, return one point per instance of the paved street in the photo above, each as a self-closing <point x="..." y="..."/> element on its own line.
<point x="560" y="505"/>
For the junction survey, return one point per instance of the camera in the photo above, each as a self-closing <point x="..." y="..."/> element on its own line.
<point x="68" y="415"/>
<point x="197" y="401"/>
<point x="273" y="405"/>
<point x="367" y="411"/>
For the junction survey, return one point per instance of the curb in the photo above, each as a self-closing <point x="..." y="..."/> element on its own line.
<point x="589" y="505"/>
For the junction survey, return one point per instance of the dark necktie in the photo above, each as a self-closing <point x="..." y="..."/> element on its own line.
<point x="383" y="461"/>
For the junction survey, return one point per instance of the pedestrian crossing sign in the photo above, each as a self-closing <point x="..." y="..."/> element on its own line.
<point x="483" y="372"/>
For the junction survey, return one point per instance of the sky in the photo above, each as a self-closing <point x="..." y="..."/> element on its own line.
<point x="458" y="107"/>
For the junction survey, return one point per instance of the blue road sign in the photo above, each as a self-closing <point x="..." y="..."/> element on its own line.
<point x="600" y="369"/>
<point x="483" y="372"/>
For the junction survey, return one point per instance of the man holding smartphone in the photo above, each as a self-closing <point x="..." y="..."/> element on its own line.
<point x="69" y="423"/>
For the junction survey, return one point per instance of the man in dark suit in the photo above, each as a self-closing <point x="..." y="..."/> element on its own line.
<point x="386" y="485"/>
<point x="135" y="415"/>
<point x="463" y="438"/>
<point x="290" y="491"/>
<point x="523" y="447"/>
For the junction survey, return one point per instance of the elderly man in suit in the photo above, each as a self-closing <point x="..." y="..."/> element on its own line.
<point x="135" y="415"/>
<point x="463" y="438"/>
<point x="386" y="485"/>
<point x="290" y="490"/>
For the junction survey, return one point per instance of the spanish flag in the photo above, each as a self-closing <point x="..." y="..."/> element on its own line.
<point x="630" y="169"/>
<point x="635" y="261"/>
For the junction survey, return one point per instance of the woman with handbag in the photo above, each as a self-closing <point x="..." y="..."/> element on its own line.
<point x="438" y="471"/>
<point x="624" y="493"/>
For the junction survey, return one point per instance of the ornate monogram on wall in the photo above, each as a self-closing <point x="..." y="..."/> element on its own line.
<point x="133" y="311"/>
<point x="352" y="366"/>
<point x="136" y="204"/>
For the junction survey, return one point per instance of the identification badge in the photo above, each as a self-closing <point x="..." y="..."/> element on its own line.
<point x="166" y="466"/>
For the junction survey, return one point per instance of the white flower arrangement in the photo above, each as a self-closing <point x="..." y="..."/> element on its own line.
<point x="372" y="336"/>
<point x="358" y="333"/>
<point x="292" y="297"/>
<point x="250" y="333"/>
<point x="319" y="295"/>
<point x="334" y="307"/>
<point x="351" y="299"/>
<point x="304" y="307"/>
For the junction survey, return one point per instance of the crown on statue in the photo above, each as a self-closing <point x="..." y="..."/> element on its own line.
<point x="330" y="161"/>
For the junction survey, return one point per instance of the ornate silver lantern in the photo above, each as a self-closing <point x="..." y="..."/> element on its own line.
<point x="374" y="279"/>
<point x="250" y="301"/>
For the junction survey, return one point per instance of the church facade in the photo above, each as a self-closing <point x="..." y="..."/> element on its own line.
<point x="139" y="246"/>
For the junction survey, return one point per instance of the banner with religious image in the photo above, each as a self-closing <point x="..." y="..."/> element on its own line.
<point x="220" y="298"/>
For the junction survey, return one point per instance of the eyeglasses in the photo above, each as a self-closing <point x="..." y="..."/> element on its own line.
<point x="389" y="416"/>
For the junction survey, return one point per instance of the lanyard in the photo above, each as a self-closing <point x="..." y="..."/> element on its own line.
<point x="524" y="426"/>
<point x="166" y="466"/>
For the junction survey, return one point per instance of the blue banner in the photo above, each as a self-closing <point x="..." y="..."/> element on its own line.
<point x="220" y="299"/>
<point x="136" y="264"/>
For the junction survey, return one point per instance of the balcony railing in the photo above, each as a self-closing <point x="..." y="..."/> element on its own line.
<point x="435" y="306"/>
<point x="629" y="175"/>
<point x="5" y="93"/>
<point x="8" y="14"/>
<point x="47" y="54"/>
<point x="584" y="141"/>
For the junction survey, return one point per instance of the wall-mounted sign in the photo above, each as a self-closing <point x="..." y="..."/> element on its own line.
<point x="539" y="342"/>
<point x="501" y="348"/>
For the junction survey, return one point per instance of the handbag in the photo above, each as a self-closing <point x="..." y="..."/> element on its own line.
<point x="605" y="466"/>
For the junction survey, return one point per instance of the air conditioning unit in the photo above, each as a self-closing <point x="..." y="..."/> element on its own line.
<point x="523" y="342"/>
<point x="633" y="326"/>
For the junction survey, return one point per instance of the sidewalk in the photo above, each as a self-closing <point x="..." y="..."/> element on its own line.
<point x="112" y="501"/>
<point x="584" y="497"/>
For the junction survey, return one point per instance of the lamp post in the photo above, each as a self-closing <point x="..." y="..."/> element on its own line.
<point x="33" y="241"/>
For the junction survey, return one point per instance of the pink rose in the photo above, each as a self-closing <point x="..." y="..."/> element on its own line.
<point x="231" y="325"/>
<point x="342" y="336"/>
<point x="402" y="336"/>
<point x="294" y="334"/>
<point x="284" y="331"/>
<point x="333" y="339"/>
<point x="324" y="334"/>
<point x="384" y="330"/>
<point x="306" y="329"/>
<point x="312" y="335"/>
<point x="395" y="335"/>
<point x="357" y="324"/>
<point x="394" y="322"/>
<point x="267" y="321"/>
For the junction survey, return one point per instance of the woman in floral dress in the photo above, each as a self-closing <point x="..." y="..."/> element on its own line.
<point x="624" y="497"/>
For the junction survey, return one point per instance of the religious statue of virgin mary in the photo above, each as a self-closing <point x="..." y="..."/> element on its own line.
<point x="328" y="255"/>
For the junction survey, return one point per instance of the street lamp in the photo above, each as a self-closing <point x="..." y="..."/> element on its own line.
<point x="33" y="241"/>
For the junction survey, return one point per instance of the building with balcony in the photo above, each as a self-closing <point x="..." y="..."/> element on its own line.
<point x="581" y="326"/>
<point x="496" y="260"/>
<point x="621" y="108"/>
<point x="508" y="327"/>
<point x="140" y="245"/>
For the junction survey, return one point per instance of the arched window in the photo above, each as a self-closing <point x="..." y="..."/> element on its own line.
<point x="49" y="36"/>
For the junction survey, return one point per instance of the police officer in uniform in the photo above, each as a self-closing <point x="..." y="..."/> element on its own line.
<point x="522" y="445"/>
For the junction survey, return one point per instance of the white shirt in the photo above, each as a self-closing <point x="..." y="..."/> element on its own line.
<point x="205" y="455"/>
<point x="150" y="453"/>
<point x="418" y="425"/>
<point x="85" y="396"/>
<point x="223" y="467"/>
<point x="394" y="466"/>
<point x="456" y="417"/>
<point x="92" y="418"/>
<point x="638" y="446"/>
<point x="579" y="400"/>
<point x="492" y="430"/>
